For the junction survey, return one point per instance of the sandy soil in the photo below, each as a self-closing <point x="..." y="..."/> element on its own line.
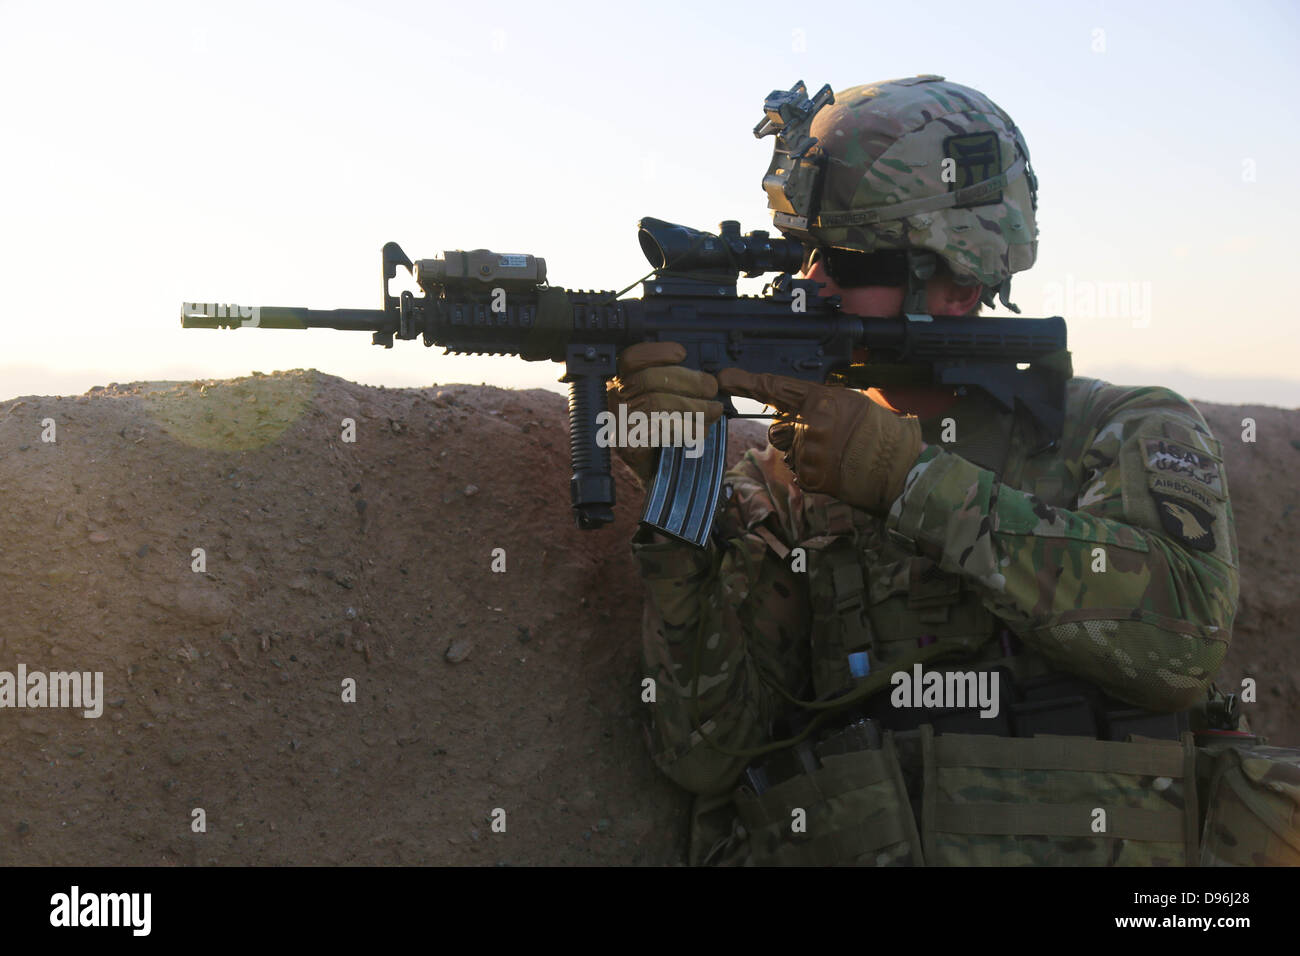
<point x="476" y="690"/>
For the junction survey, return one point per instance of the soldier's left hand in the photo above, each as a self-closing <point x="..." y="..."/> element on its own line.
<point x="837" y="441"/>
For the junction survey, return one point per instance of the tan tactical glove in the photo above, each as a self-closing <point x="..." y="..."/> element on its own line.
<point x="650" y="380"/>
<point x="836" y="440"/>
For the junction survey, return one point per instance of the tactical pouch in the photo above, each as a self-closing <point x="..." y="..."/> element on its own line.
<point x="935" y="605"/>
<point x="855" y="811"/>
<point x="837" y="593"/>
<point x="1053" y="801"/>
<point x="1253" y="816"/>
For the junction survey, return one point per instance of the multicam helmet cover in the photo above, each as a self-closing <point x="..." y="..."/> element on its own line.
<point x="917" y="163"/>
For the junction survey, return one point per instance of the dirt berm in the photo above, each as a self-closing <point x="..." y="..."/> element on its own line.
<point x="480" y="695"/>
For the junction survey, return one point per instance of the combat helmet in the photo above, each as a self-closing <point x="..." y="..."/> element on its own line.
<point x="919" y="164"/>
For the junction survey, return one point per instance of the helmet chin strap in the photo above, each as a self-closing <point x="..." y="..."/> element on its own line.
<point x="1003" y="292"/>
<point x="921" y="267"/>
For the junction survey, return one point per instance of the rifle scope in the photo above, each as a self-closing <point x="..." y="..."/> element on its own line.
<point x="675" y="248"/>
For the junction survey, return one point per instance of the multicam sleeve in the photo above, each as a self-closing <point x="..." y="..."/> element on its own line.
<point x="721" y="626"/>
<point x="1136" y="587"/>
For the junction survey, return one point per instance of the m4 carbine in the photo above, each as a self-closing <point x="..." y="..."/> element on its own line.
<point x="482" y="302"/>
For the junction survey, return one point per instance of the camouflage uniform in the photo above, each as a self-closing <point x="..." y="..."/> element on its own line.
<point x="985" y="536"/>
<point x="1111" y="557"/>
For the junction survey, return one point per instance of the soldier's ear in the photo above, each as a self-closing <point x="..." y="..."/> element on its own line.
<point x="946" y="297"/>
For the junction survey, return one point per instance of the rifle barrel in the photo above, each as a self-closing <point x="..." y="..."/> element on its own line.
<point x="207" y="315"/>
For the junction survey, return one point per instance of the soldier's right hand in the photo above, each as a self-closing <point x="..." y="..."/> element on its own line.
<point x="651" y="380"/>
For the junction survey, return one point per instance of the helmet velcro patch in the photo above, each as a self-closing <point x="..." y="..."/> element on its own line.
<point x="970" y="159"/>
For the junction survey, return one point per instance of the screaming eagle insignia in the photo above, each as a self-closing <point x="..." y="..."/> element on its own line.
<point x="1191" y="525"/>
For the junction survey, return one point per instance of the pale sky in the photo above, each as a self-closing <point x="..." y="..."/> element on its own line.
<point x="263" y="153"/>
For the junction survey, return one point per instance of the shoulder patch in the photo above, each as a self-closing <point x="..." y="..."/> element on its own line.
<point x="1196" y="468"/>
<point x="1175" y="486"/>
<point x="1193" y="438"/>
<point x="1189" y="523"/>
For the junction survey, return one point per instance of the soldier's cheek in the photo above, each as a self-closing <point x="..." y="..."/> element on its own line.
<point x="873" y="300"/>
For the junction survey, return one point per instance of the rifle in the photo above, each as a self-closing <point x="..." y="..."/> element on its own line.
<point x="481" y="302"/>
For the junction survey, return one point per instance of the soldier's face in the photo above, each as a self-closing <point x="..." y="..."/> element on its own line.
<point x="879" y="300"/>
<point x="942" y="297"/>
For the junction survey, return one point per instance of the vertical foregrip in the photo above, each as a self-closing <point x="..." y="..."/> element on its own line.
<point x="592" y="485"/>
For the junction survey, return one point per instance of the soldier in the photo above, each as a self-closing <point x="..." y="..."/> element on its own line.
<point x="910" y="550"/>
